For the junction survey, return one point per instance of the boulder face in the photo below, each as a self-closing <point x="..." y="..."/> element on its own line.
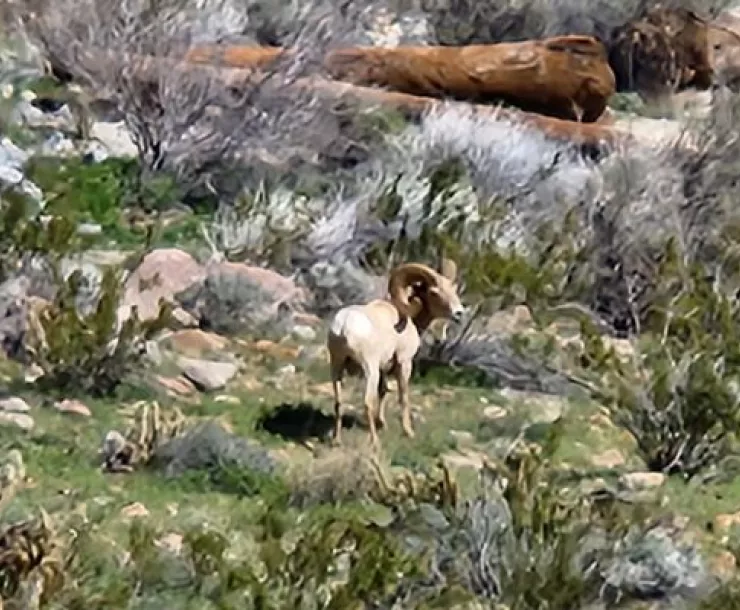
<point x="566" y="77"/>
<point x="666" y="51"/>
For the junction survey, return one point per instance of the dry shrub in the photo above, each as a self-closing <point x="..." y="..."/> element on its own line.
<point x="474" y="22"/>
<point x="190" y="122"/>
<point x="339" y="475"/>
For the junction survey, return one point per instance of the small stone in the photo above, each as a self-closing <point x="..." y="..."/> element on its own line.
<point x="637" y="481"/>
<point x="541" y="408"/>
<point x="600" y="420"/>
<point x="178" y="386"/>
<point x="153" y="353"/>
<point x="494" y="412"/>
<point x="88" y="229"/>
<point x="306" y="319"/>
<point x="183" y="318"/>
<point x="275" y="350"/>
<point x="463" y="437"/>
<point x="725" y="522"/>
<point x="611" y="458"/>
<point x="623" y="348"/>
<point x="228" y="399"/>
<point x="195" y="342"/>
<point x="326" y="388"/>
<point x="14" y="404"/>
<point x="207" y="374"/>
<point x="135" y="510"/>
<point x="73" y="406"/>
<point x="21" y="420"/>
<point x="592" y="486"/>
<point x="312" y="353"/>
<point x="463" y="460"/>
<point x="171" y="542"/>
<point x="724" y="565"/>
<point x="304" y="333"/>
<point x="288" y="369"/>
<point x="33" y="373"/>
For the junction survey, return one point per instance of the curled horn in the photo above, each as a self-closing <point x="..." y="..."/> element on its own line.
<point x="448" y="268"/>
<point x="402" y="277"/>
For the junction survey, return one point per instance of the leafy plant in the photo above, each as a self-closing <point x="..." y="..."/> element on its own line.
<point x="91" y="353"/>
<point x="86" y="191"/>
<point x="678" y="397"/>
<point x="24" y="233"/>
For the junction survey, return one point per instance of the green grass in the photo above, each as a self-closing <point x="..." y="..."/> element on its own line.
<point x="62" y="462"/>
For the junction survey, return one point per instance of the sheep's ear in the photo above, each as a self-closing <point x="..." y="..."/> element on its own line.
<point x="448" y="268"/>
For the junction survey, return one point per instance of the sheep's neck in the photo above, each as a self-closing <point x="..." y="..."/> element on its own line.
<point x="420" y="315"/>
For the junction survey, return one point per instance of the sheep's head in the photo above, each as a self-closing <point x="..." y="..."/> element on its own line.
<point x="436" y="290"/>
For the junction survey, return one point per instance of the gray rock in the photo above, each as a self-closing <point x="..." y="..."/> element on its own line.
<point x="58" y="144"/>
<point x="10" y="176"/>
<point x="114" y="137"/>
<point x="14" y="404"/>
<point x="11" y="155"/>
<point x="13" y="315"/>
<point x="636" y="481"/>
<point x="207" y="375"/>
<point x="20" y="420"/>
<point x="540" y="407"/>
<point x="61" y="120"/>
<point x="12" y="159"/>
<point x="304" y="333"/>
<point x="89" y="229"/>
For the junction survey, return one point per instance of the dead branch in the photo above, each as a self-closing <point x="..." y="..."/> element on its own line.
<point x="566" y="77"/>
<point x="147" y="70"/>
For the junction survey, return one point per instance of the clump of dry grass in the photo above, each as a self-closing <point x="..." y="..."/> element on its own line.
<point x="338" y="475"/>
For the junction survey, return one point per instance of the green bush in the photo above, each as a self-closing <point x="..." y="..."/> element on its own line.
<point x="76" y="351"/>
<point x="99" y="192"/>
<point x="90" y="353"/>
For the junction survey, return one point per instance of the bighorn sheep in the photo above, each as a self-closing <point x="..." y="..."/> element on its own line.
<point x="381" y="338"/>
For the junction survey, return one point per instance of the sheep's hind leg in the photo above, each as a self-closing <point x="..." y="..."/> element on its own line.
<point x="382" y="392"/>
<point x="403" y="374"/>
<point x="337" y="371"/>
<point x="372" y="379"/>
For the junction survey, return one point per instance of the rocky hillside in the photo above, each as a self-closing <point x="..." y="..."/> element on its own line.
<point x="175" y="243"/>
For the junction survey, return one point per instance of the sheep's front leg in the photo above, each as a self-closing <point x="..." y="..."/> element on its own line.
<point x="382" y="392"/>
<point x="336" y="382"/>
<point x="403" y="374"/>
<point x="372" y="379"/>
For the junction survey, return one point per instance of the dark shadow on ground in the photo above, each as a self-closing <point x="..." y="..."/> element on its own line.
<point x="303" y="421"/>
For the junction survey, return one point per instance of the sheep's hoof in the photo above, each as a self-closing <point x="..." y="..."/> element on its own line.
<point x="408" y="432"/>
<point x="380" y="423"/>
<point x="335" y="441"/>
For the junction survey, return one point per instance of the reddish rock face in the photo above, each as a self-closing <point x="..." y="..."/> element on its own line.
<point x="162" y="274"/>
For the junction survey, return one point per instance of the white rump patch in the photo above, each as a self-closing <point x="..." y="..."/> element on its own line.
<point x="352" y="322"/>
